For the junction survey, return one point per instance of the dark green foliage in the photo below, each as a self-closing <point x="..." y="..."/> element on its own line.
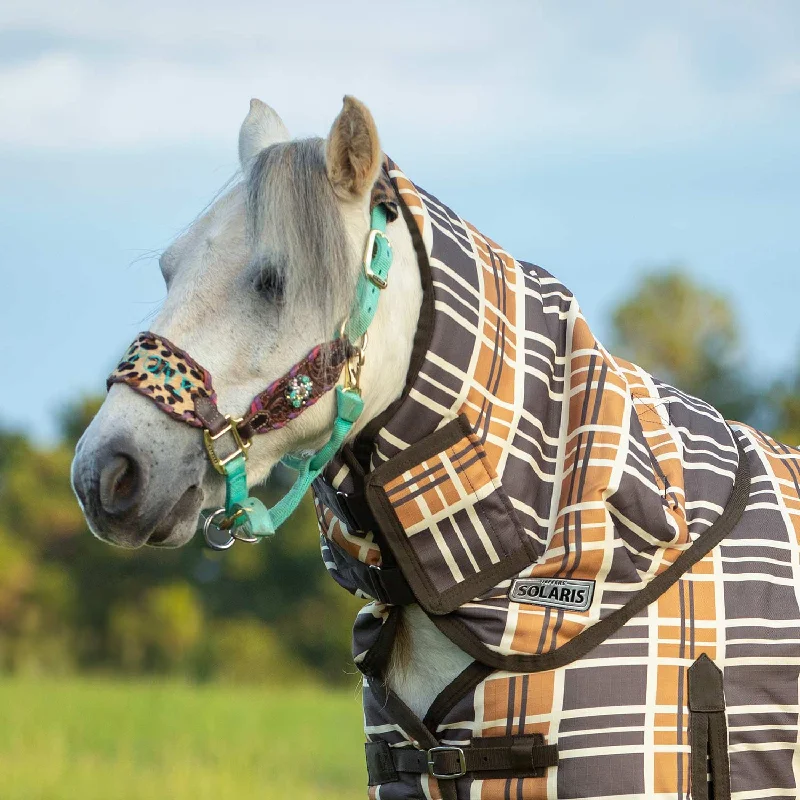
<point x="784" y="404"/>
<point x="686" y="335"/>
<point x="266" y="612"/>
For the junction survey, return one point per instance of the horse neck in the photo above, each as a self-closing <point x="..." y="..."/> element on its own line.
<point x="424" y="661"/>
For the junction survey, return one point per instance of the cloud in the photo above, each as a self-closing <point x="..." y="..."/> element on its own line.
<point x="125" y="75"/>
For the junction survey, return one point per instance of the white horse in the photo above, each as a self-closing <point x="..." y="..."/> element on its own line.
<point x="620" y="562"/>
<point x="252" y="286"/>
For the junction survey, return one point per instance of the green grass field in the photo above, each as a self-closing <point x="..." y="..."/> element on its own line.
<point x="103" y="740"/>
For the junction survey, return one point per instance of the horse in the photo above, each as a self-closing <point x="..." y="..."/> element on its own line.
<point x="582" y="582"/>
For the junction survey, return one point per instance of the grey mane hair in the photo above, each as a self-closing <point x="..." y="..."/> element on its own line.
<point x="297" y="230"/>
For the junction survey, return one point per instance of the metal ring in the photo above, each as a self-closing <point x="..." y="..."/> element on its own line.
<point x="242" y="538"/>
<point x="233" y="535"/>
<point x="342" y="335"/>
<point x="207" y="525"/>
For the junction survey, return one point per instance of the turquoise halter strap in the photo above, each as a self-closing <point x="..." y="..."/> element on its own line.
<point x="246" y="518"/>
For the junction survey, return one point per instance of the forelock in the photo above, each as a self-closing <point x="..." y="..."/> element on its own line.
<point x="296" y="227"/>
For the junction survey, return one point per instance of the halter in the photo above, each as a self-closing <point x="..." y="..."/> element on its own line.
<point x="182" y="388"/>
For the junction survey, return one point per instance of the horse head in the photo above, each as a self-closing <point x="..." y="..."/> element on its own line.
<point x="264" y="275"/>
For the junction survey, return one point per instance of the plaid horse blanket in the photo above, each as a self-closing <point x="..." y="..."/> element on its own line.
<point x="622" y="563"/>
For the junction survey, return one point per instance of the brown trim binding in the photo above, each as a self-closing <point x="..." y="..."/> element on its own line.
<point x="376" y="660"/>
<point x="400" y="713"/>
<point x="461" y="685"/>
<point x="576" y="648"/>
<point x="432" y="599"/>
<point x="708" y="732"/>
<point x="363" y="445"/>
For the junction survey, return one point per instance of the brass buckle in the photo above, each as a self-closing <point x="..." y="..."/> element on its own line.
<point x="374" y="278"/>
<point x="241" y="445"/>
<point x="462" y="763"/>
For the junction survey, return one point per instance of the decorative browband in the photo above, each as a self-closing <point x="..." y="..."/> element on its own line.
<point x="182" y="388"/>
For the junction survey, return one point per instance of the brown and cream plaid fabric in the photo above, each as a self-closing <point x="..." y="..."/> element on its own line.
<point x="445" y="501"/>
<point x="524" y="451"/>
<point x="451" y="482"/>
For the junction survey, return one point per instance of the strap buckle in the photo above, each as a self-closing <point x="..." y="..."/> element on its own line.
<point x="242" y="446"/>
<point x="462" y="763"/>
<point x="374" y="278"/>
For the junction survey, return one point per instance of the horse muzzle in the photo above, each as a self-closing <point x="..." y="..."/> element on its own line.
<point x="130" y="492"/>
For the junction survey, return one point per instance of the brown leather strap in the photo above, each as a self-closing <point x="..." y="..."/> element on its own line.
<point x="272" y="408"/>
<point x="524" y="756"/>
<point x="207" y="412"/>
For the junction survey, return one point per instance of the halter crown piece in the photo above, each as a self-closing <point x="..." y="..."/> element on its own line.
<point x="182" y="388"/>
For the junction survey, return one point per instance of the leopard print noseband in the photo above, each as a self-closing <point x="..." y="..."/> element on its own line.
<point x="182" y="388"/>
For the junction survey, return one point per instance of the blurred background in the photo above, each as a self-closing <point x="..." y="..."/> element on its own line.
<point x="645" y="153"/>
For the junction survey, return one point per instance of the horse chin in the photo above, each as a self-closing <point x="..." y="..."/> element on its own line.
<point x="180" y="523"/>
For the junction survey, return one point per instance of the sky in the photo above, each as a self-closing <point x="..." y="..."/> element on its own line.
<point x="597" y="139"/>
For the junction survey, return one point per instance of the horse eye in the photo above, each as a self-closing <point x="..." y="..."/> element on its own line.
<point x="270" y="285"/>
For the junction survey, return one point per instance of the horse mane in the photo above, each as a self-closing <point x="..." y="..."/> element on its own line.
<point x="297" y="231"/>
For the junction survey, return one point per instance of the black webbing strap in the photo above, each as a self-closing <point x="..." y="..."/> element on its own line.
<point x="389" y="586"/>
<point x="387" y="583"/>
<point x="525" y="756"/>
<point x="352" y="509"/>
<point x="708" y="732"/>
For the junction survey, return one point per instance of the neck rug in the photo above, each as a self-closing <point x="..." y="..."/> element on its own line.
<point x="622" y="563"/>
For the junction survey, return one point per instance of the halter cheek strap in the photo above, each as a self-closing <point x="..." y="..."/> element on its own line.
<point x="182" y="388"/>
<point x="349" y="404"/>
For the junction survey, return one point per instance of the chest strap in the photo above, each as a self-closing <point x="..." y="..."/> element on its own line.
<point x="387" y="584"/>
<point x="351" y="509"/>
<point x="525" y="756"/>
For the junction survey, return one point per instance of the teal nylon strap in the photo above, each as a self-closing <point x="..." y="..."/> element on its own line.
<point x="257" y="521"/>
<point x="235" y="481"/>
<point x="369" y="289"/>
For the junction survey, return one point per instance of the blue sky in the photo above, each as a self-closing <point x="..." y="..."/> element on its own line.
<point x="596" y="139"/>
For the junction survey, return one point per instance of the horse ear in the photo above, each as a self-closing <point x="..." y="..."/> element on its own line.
<point x="261" y="127"/>
<point x="353" y="152"/>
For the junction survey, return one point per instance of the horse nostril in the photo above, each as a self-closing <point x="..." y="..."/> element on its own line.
<point x="120" y="484"/>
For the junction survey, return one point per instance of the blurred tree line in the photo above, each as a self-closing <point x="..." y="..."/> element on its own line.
<point x="70" y="602"/>
<point x="269" y="612"/>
